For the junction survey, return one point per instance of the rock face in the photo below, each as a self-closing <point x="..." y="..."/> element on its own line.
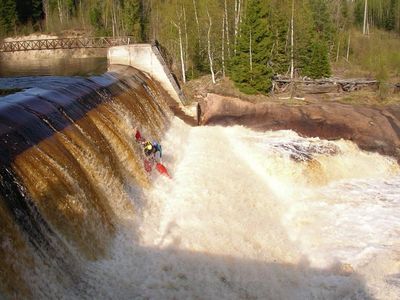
<point x="371" y="128"/>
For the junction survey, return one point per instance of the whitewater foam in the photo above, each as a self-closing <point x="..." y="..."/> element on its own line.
<point x="245" y="218"/>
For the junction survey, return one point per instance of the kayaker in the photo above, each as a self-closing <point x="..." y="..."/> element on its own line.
<point x="157" y="151"/>
<point x="148" y="148"/>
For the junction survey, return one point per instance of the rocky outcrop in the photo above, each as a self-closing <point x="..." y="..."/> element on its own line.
<point x="371" y="128"/>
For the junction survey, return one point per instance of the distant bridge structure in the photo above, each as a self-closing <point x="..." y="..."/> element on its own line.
<point x="66" y="43"/>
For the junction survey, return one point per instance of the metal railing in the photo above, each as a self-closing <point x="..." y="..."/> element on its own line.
<point x="65" y="43"/>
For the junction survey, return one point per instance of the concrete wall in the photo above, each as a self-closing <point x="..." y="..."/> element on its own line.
<point x="147" y="58"/>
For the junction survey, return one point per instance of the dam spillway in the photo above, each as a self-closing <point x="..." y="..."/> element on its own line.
<point x="64" y="153"/>
<point x="246" y="215"/>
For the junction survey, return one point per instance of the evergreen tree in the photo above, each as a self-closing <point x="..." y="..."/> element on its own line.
<point x="359" y="12"/>
<point x="96" y="20"/>
<point x="303" y="37"/>
<point x="390" y="20"/>
<point x="322" y="20"/>
<point x="345" y="15"/>
<point x="37" y="12"/>
<point x="145" y="12"/>
<point x="24" y="11"/>
<point x="280" y="18"/>
<point x="250" y="68"/>
<point x="132" y="18"/>
<point x="7" y="16"/>
<point x="311" y="50"/>
<point x="318" y="63"/>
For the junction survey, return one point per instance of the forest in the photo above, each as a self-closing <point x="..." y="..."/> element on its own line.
<point x="251" y="41"/>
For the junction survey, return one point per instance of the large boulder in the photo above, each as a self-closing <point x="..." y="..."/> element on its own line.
<point x="371" y="128"/>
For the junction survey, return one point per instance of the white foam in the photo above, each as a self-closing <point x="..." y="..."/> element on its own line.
<point x="241" y="219"/>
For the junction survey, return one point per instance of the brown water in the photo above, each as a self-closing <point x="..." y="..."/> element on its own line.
<point x="68" y="161"/>
<point x="56" y="67"/>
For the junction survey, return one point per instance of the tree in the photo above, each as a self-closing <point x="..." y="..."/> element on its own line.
<point x="323" y="24"/>
<point x="7" y="16"/>
<point x="131" y="13"/>
<point x="281" y="21"/>
<point x="359" y="12"/>
<point x="37" y="13"/>
<point x="311" y="45"/>
<point x="209" y="51"/>
<point x="390" y="20"/>
<point x="250" y="68"/>
<point x="365" y="23"/>
<point x="318" y="65"/>
<point x="96" y="19"/>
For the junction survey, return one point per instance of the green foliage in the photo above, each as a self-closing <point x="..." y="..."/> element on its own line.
<point x="268" y="28"/>
<point x="322" y="20"/>
<point x="37" y="13"/>
<point x="359" y="12"/>
<point x="318" y="65"/>
<point x="390" y="20"/>
<point x="24" y="10"/>
<point x="321" y="31"/>
<point x="378" y="54"/>
<point x="96" y="19"/>
<point x="384" y="14"/>
<point x="131" y="17"/>
<point x="312" y="38"/>
<point x="7" y="16"/>
<point x="280" y="52"/>
<point x="250" y="68"/>
<point x="200" y="63"/>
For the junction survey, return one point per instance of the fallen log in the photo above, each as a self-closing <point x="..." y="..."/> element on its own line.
<point x="326" y="80"/>
<point x="325" y="85"/>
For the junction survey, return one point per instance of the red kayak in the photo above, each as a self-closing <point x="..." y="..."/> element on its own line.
<point x="148" y="166"/>
<point x="162" y="170"/>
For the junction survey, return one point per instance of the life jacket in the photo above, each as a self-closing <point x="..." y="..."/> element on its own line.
<point x="148" y="148"/>
<point x="157" y="147"/>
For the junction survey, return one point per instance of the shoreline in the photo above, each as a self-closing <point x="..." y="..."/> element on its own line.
<point x="372" y="128"/>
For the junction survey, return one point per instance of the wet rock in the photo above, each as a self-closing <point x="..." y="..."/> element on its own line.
<point x="371" y="128"/>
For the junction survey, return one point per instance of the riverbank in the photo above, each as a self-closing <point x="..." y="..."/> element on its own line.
<point x="372" y="128"/>
<point x="198" y="89"/>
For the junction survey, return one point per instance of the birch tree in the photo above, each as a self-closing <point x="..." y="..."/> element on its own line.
<point x="365" y="24"/>
<point x="223" y="46"/>
<point x="197" y="21"/>
<point x="178" y="26"/>
<point x="292" y="43"/>
<point x="238" y="7"/>
<point x="226" y="17"/>
<point x="209" y="51"/>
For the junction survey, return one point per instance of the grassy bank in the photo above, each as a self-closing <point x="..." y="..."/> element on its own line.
<point x="197" y="89"/>
<point x="375" y="55"/>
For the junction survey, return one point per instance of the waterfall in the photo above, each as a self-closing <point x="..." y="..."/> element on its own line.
<point x="69" y="164"/>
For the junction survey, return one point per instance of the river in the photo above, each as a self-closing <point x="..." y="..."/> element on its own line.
<point x="246" y="214"/>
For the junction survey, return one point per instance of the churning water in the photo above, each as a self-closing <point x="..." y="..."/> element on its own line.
<point x="246" y="215"/>
<point x="271" y="215"/>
